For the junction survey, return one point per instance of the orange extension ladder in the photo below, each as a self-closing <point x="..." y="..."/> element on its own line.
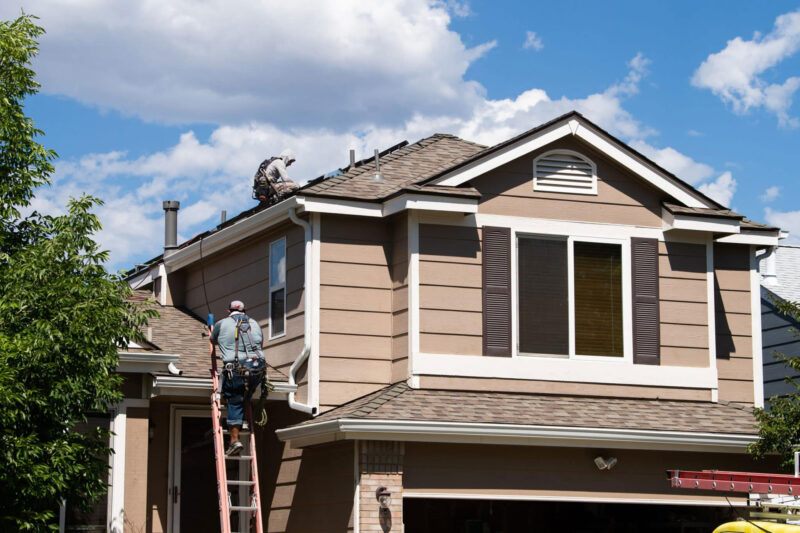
<point x="252" y="511"/>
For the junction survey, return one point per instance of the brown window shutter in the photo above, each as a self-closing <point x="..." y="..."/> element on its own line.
<point x="496" y="291"/>
<point x="646" y="323"/>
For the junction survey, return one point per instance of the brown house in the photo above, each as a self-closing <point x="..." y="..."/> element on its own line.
<point x="504" y="337"/>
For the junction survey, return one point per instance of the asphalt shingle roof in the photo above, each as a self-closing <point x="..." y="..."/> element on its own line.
<point x="400" y="402"/>
<point x="178" y="331"/>
<point x="402" y="167"/>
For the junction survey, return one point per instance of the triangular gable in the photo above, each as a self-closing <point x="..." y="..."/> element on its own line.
<point x="579" y="126"/>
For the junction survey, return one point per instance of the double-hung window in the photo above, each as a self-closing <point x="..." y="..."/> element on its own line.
<point x="569" y="296"/>
<point x="277" y="288"/>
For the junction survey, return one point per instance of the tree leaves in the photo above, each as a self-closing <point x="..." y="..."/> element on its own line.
<point x="62" y="319"/>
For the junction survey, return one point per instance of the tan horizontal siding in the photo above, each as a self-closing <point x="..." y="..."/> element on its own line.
<point x="682" y="356"/>
<point x="571" y="208"/>
<point x="561" y="387"/>
<point x="356" y="300"/>
<point x="451" y="344"/>
<point x="683" y="335"/>
<point x="449" y="274"/>
<point x="683" y="290"/>
<point x="451" y="322"/>
<point x="693" y="313"/>
<point x="452" y="298"/>
<point x="733" y="322"/>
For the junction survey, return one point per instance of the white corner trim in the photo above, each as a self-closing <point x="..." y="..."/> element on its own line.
<point x="754" y="238"/>
<point x="143" y="362"/>
<point x="357" y="491"/>
<point x="231" y="234"/>
<point x="427" y="203"/>
<point x="672" y="221"/>
<point x="512" y="434"/>
<point x="587" y="134"/>
<point x="413" y="292"/>
<point x="117" y="488"/>
<point x="755" y="311"/>
<point x="712" y="317"/>
<point x="315" y="260"/>
<point x="595" y="370"/>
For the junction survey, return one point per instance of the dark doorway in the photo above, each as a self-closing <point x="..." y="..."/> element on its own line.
<point x="481" y="516"/>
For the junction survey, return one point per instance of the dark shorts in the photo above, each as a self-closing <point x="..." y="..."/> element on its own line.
<point x="235" y="392"/>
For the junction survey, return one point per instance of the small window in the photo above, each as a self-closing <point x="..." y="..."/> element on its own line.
<point x="277" y="288"/>
<point x="564" y="171"/>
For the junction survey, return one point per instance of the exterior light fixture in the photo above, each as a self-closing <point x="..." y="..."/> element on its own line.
<point x="383" y="496"/>
<point x="605" y="464"/>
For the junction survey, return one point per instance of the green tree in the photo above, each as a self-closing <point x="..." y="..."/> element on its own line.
<point x="779" y="426"/>
<point x="62" y="318"/>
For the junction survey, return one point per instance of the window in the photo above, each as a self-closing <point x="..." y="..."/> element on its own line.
<point x="277" y="288"/>
<point x="569" y="297"/>
<point x="564" y="171"/>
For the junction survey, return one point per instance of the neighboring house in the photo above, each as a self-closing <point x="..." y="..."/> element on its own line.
<point x="780" y="274"/>
<point x="476" y="329"/>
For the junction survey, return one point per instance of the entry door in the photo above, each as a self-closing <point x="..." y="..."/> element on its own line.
<point x="194" y="482"/>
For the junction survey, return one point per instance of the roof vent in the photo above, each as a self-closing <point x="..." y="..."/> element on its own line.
<point x="378" y="177"/>
<point x="564" y="171"/>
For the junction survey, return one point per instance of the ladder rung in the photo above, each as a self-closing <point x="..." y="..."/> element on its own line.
<point x="237" y="482"/>
<point x="238" y="457"/>
<point x="241" y="432"/>
<point x="240" y="508"/>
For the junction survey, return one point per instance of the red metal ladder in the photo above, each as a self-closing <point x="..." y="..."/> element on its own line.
<point x="252" y="511"/>
<point x="725" y="481"/>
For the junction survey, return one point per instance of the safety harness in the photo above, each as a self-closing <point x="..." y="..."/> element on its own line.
<point x="236" y="367"/>
<point x="263" y="189"/>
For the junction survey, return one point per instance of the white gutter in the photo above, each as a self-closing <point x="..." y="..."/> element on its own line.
<point x="512" y="434"/>
<point x="306" y="316"/>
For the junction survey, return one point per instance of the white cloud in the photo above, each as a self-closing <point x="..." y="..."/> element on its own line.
<point x="771" y="193"/>
<point x="208" y="175"/>
<point x="787" y="221"/>
<point x="734" y="73"/>
<point x="679" y="164"/>
<point x="695" y="133"/>
<point x="532" y="41"/>
<point x="337" y="64"/>
<point x="721" y="189"/>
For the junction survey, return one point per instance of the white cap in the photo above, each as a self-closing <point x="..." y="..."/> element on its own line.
<point x="236" y="305"/>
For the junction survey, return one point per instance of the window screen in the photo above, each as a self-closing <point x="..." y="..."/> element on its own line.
<point x="277" y="288"/>
<point x="598" y="299"/>
<point x="543" y="311"/>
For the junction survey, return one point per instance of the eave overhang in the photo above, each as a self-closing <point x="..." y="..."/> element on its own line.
<point x="192" y="386"/>
<point x="145" y="362"/>
<point x="510" y="434"/>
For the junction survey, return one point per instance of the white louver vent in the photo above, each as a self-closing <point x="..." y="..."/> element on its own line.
<point x="564" y="171"/>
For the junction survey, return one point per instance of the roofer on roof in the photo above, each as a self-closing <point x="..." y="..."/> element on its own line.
<point x="239" y="338"/>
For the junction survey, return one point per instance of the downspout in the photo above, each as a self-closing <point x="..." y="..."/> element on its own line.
<point x="303" y="357"/>
<point x="767" y="267"/>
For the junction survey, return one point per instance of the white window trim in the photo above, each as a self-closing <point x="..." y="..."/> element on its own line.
<point x="627" y="325"/>
<point x="272" y="288"/>
<point x="569" y="190"/>
<point x="601" y="370"/>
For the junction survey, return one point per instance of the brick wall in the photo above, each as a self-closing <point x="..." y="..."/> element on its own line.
<point x="380" y="465"/>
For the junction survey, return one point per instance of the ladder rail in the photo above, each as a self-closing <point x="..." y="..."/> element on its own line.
<point x="728" y="481"/>
<point x="254" y="470"/>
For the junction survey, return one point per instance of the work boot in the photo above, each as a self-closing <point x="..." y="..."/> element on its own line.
<point x="235" y="448"/>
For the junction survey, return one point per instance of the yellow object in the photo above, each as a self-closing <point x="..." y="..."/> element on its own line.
<point x="742" y="526"/>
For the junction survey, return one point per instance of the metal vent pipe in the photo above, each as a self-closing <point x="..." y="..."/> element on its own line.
<point x="170" y="226"/>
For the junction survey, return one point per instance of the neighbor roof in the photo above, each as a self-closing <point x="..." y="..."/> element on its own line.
<point x="178" y="331"/>
<point x="400" y="402"/>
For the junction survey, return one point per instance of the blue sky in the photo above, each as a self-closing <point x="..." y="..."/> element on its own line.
<point x="147" y="101"/>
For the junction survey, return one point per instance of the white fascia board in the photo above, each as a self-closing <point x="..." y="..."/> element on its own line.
<point x="579" y="129"/>
<point x="144" y="362"/>
<point x="342" y="207"/>
<point x="754" y="238"/>
<point x="512" y="434"/>
<point x="232" y="234"/>
<point x="592" y="370"/>
<point x="143" y="279"/>
<point x="673" y="221"/>
<point x="183" y="386"/>
<point x="424" y="202"/>
<point x="516" y="496"/>
<point x="640" y="168"/>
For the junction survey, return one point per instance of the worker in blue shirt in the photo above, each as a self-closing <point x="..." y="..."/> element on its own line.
<point x="239" y="338"/>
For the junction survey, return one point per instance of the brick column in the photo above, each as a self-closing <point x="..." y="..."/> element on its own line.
<point x="380" y="465"/>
